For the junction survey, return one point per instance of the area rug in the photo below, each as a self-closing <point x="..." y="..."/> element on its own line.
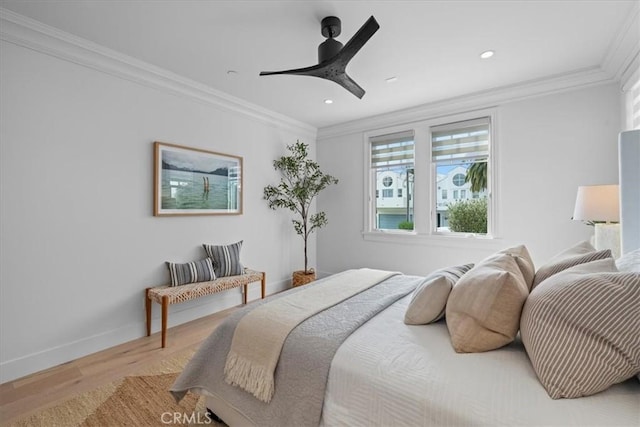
<point x="136" y="400"/>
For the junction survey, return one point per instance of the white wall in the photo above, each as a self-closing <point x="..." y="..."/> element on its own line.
<point x="548" y="146"/>
<point x="78" y="241"/>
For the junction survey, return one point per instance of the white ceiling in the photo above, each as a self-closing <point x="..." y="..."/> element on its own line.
<point x="432" y="47"/>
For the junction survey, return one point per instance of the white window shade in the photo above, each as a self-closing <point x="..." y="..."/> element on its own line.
<point x="468" y="140"/>
<point x="396" y="149"/>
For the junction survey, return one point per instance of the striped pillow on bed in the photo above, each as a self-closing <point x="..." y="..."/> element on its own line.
<point x="581" y="253"/>
<point x="581" y="329"/>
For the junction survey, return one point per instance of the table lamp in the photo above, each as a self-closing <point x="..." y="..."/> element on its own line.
<point x="600" y="205"/>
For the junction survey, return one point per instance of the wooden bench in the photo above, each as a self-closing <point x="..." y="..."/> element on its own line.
<point x="166" y="295"/>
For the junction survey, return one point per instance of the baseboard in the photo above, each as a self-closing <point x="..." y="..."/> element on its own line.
<point x="178" y="314"/>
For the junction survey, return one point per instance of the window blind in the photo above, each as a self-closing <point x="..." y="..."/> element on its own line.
<point x="396" y="149"/>
<point x="467" y="140"/>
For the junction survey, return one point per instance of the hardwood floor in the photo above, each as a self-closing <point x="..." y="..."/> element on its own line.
<point x="49" y="387"/>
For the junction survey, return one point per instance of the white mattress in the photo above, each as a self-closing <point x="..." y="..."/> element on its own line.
<point x="390" y="374"/>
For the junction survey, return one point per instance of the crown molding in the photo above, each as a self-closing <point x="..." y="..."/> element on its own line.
<point x="32" y="34"/>
<point x="621" y="60"/>
<point x="470" y="102"/>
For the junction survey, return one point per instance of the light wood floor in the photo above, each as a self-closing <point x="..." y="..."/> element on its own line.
<point x="47" y="388"/>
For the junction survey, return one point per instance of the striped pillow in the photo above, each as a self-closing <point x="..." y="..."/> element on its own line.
<point x="581" y="253"/>
<point x="226" y="259"/>
<point x="581" y="329"/>
<point x="430" y="297"/>
<point x="191" y="272"/>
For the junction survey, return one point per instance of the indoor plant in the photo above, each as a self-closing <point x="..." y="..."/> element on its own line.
<point x="300" y="183"/>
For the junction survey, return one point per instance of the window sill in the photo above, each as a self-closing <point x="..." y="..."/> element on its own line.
<point x="435" y="239"/>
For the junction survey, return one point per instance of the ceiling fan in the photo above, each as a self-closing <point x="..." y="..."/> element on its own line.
<point x="332" y="57"/>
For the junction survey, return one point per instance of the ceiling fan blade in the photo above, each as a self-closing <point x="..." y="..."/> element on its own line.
<point x="356" y="42"/>
<point x="306" y="71"/>
<point x="347" y="82"/>
<point x="327" y="71"/>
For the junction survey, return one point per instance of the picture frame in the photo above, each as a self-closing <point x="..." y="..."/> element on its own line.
<point x="193" y="181"/>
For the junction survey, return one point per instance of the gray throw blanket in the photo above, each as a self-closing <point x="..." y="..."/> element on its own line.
<point x="261" y="334"/>
<point x="305" y="359"/>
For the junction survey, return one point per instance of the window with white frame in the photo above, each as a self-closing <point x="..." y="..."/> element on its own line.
<point x="392" y="163"/>
<point x="460" y="155"/>
<point x="450" y="161"/>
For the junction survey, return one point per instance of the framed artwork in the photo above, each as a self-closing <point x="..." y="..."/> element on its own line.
<point x="191" y="181"/>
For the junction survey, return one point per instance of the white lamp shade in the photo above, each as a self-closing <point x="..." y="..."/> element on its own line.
<point x="598" y="203"/>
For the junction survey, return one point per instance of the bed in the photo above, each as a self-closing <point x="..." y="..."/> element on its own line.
<point x="385" y="372"/>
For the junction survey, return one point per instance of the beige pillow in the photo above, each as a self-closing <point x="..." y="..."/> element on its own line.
<point x="581" y="329"/>
<point x="524" y="261"/>
<point x="581" y="253"/>
<point x="483" y="309"/>
<point x="430" y="297"/>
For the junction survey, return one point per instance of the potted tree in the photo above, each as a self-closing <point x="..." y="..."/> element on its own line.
<point x="301" y="181"/>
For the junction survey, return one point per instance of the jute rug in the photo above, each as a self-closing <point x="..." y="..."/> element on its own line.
<point x="137" y="400"/>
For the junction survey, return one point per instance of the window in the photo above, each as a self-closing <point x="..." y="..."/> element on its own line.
<point x="392" y="162"/>
<point x="450" y="161"/>
<point x="631" y="89"/>
<point x="459" y="179"/>
<point x="461" y="150"/>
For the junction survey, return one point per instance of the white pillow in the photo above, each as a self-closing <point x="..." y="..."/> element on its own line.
<point x="629" y="262"/>
<point x="430" y="297"/>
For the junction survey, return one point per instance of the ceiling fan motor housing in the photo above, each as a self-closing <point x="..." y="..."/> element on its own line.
<point x="330" y="27"/>
<point x="328" y="49"/>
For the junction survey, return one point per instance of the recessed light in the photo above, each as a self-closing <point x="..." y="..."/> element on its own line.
<point x="487" y="54"/>
<point x="328" y="101"/>
<point x="232" y="72"/>
<point x="391" y="79"/>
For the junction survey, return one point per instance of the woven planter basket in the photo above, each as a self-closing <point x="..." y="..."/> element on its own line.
<point x="300" y="278"/>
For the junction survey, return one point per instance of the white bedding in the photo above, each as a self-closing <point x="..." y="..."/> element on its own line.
<point x="391" y="374"/>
